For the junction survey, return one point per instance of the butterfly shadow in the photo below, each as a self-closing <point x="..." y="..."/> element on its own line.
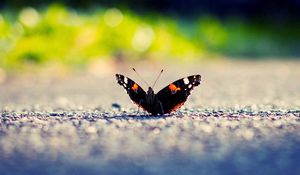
<point x="144" y="116"/>
<point x="139" y="116"/>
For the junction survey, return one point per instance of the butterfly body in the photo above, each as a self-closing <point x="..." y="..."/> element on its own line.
<point x="166" y="100"/>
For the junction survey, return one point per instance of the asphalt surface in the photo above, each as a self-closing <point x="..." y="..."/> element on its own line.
<point x="243" y="119"/>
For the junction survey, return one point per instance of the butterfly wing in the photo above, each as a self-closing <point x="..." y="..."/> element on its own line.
<point x="135" y="92"/>
<point x="175" y="94"/>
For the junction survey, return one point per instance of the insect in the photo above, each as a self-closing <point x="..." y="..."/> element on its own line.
<point x="167" y="100"/>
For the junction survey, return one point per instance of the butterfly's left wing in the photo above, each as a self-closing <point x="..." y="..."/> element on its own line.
<point x="175" y="94"/>
<point x="135" y="92"/>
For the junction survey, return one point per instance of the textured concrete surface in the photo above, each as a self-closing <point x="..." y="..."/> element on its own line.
<point x="243" y="119"/>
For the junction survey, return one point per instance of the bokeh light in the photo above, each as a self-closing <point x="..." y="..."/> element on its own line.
<point x="113" y="17"/>
<point x="29" y="17"/>
<point x="143" y="38"/>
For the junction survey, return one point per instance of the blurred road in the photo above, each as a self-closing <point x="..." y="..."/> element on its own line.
<point x="243" y="119"/>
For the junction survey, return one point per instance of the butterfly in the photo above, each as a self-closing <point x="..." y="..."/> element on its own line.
<point x="167" y="100"/>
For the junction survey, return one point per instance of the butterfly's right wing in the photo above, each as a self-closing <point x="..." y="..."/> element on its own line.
<point x="135" y="92"/>
<point x="175" y="94"/>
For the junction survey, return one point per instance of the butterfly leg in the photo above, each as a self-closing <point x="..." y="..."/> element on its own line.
<point x="141" y="101"/>
<point x="161" y="107"/>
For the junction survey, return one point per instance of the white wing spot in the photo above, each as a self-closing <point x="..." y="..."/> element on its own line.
<point x="189" y="86"/>
<point x="186" y="81"/>
<point x="125" y="80"/>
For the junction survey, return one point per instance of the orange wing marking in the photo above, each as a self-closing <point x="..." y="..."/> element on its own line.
<point x="174" y="88"/>
<point x="135" y="87"/>
<point x="176" y="107"/>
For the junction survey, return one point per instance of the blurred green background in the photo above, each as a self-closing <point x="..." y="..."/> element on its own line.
<point x="73" y="34"/>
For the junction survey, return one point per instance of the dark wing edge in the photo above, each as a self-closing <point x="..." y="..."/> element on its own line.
<point x="136" y="96"/>
<point x="171" y="102"/>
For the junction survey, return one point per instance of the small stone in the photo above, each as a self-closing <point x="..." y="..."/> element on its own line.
<point x="90" y="130"/>
<point x="116" y="105"/>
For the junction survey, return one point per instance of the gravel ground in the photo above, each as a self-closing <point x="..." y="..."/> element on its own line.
<point x="243" y="119"/>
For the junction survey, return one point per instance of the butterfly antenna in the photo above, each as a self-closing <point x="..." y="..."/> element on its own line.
<point x="157" y="78"/>
<point x="140" y="76"/>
